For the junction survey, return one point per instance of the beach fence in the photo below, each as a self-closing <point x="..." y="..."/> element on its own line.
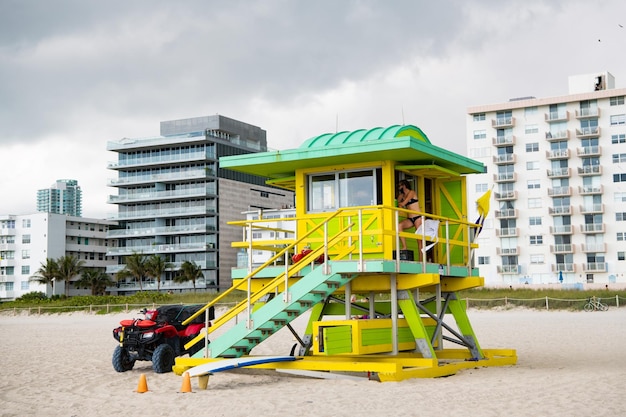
<point x="90" y="309"/>
<point x="541" y="303"/>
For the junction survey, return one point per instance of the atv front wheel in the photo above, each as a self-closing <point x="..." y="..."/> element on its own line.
<point x="163" y="359"/>
<point x="121" y="360"/>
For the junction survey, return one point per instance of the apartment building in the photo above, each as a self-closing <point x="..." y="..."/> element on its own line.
<point x="175" y="201"/>
<point x="63" y="197"/>
<point x="26" y="241"/>
<point x="557" y="168"/>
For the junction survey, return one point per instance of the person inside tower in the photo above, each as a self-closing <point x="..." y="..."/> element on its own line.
<point x="407" y="198"/>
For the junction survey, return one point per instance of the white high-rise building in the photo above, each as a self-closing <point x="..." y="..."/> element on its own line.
<point x="557" y="168"/>
<point x="63" y="197"/>
<point x="26" y="241"/>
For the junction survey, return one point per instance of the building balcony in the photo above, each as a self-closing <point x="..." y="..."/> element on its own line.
<point x="160" y="231"/>
<point x="507" y="232"/>
<point x="592" y="228"/>
<point x="502" y="122"/>
<point x="562" y="248"/>
<point x="559" y="173"/>
<point x="589" y="132"/>
<point x="509" y="269"/>
<point x="589" y="151"/>
<point x="560" y="191"/>
<point x="7" y="262"/>
<point x="592" y="209"/>
<point x="505" y="177"/>
<point x="162" y="195"/>
<point x="508" y="158"/>
<point x="508" y="251"/>
<point x="167" y="177"/>
<point x="594" y="248"/>
<point x="558" y="154"/>
<point x="506" y="214"/>
<point x="562" y="230"/>
<point x="564" y="267"/>
<point x="588" y="113"/>
<point x="595" y="267"/>
<point x="557" y="135"/>
<point x="560" y="210"/>
<point x="503" y="140"/>
<point x="164" y="212"/>
<point x="506" y="195"/>
<point x="161" y="160"/>
<point x="590" y="170"/>
<point x="590" y="189"/>
<point x="557" y="116"/>
<point x="7" y="246"/>
<point x="164" y="248"/>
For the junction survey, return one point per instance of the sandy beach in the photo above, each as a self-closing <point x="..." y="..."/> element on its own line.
<point x="570" y="364"/>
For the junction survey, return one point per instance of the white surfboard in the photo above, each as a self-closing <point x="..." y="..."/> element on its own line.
<point x="234" y="363"/>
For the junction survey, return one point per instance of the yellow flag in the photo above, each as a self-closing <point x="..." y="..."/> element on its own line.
<point x="482" y="204"/>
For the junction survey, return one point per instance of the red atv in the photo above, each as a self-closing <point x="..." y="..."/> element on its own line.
<point x="160" y="337"/>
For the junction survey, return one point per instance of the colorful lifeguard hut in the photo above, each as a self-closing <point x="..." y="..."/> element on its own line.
<point x="407" y="320"/>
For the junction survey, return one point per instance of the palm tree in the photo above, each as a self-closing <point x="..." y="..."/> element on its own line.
<point x="135" y="267"/>
<point x="189" y="271"/>
<point x="95" y="279"/>
<point x="155" y="267"/>
<point x="68" y="267"/>
<point x="46" y="274"/>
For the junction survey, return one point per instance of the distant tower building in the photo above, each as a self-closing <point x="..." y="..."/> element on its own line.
<point x="63" y="197"/>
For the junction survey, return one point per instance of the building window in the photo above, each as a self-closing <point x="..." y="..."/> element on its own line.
<point x="344" y="189"/>
<point x="26" y="254"/>
<point x="532" y="165"/>
<point x="621" y="138"/>
<point x="621" y="256"/>
<point x="537" y="259"/>
<point x="26" y="239"/>
<point x="26" y="223"/>
<point x="620" y="217"/>
<point x="534" y="221"/>
<point x="24" y="285"/>
<point x="618" y="119"/>
<point x="618" y="158"/>
<point x="25" y="270"/>
<point x="621" y="236"/>
<point x="483" y="260"/>
<point x="532" y="147"/>
<point x="479" y="117"/>
<point x="536" y="240"/>
<point x="617" y="101"/>
<point x="534" y="203"/>
<point x="480" y="152"/>
<point x="482" y="188"/>
<point x="533" y="184"/>
<point x="619" y="177"/>
<point x="480" y="134"/>
<point x="589" y="278"/>
<point x="619" y="197"/>
<point x="530" y="129"/>
<point x="530" y="111"/>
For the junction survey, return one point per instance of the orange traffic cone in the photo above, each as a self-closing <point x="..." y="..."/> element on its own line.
<point x="143" y="384"/>
<point x="186" y="387"/>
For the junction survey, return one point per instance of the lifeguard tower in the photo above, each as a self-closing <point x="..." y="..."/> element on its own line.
<point x="407" y="320"/>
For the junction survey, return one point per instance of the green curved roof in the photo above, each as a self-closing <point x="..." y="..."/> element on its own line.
<point x="407" y="145"/>
<point x="363" y="135"/>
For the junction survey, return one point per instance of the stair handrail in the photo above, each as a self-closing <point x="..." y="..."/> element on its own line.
<point x="252" y="298"/>
<point x="261" y="267"/>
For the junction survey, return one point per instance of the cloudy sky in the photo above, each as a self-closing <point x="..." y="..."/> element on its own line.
<point x="75" y="74"/>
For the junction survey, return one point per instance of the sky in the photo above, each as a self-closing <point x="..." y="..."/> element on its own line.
<point x="76" y="74"/>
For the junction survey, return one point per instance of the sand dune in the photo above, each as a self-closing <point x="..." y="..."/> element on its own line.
<point x="570" y="364"/>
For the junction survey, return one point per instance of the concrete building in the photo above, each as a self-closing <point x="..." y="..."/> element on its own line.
<point x="26" y="241"/>
<point x="63" y="197"/>
<point x="175" y="201"/>
<point x="557" y="167"/>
